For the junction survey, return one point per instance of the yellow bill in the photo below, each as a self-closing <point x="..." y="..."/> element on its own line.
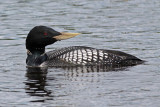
<point x="64" y="36"/>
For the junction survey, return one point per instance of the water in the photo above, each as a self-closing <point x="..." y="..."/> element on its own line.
<point x="131" y="26"/>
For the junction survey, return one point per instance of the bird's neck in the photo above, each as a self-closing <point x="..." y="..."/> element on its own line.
<point x="33" y="55"/>
<point x="36" y="51"/>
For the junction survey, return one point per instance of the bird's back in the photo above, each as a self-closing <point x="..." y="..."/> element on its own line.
<point x="80" y="55"/>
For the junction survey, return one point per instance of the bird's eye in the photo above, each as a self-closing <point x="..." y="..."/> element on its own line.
<point x="45" y="33"/>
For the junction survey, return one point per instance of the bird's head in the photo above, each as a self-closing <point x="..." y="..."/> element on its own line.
<point x="41" y="36"/>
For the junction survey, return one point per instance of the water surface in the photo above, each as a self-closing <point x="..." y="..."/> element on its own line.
<point x="131" y="26"/>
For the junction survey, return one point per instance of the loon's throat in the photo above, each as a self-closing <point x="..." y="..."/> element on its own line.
<point x="36" y="51"/>
<point x="35" y="57"/>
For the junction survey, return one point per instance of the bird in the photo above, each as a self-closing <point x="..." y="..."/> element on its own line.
<point x="41" y="36"/>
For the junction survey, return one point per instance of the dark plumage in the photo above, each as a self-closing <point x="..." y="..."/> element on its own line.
<point x="41" y="36"/>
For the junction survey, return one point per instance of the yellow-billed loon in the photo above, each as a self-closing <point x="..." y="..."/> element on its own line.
<point x="41" y="36"/>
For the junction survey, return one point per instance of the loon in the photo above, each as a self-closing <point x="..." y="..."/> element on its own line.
<point x="41" y="36"/>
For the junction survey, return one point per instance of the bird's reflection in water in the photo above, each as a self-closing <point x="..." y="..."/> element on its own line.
<point x="87" y="69"/>
<point x="37" y="79"/>
<point x="89" y="73"/>
<point x="36" y="82"/>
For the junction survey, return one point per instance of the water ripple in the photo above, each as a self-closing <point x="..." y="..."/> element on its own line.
<point x="131" y="26"/>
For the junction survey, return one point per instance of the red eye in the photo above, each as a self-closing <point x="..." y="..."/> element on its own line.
<point x="45" y="34"/>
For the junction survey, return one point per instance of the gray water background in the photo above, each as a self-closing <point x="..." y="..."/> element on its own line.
<point x="131" y="26"/>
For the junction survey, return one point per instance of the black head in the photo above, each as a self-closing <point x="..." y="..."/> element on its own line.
<point x="41" y="36"/>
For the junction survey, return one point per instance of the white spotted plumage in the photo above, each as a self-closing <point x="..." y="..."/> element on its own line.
<point x="84" y="56"/>
<point x="81" y="56"/>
